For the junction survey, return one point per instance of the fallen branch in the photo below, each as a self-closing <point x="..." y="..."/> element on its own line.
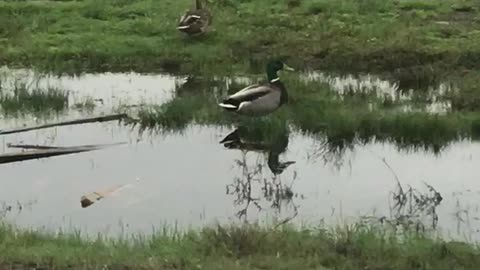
<point x="45" y="153"/>
<point x="31" y="146"/>
<point x="44" y="147"/>
<point x="66" y="123"/>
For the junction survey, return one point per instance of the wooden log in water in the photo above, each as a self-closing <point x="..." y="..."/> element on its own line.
<point x="45" y="153"/>
<point x="91" y="198"/>
<point x="105" y="118"/>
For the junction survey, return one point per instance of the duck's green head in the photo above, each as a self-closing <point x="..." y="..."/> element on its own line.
<point x="273" y="67"/>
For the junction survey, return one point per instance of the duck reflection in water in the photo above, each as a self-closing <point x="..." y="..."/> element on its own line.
<point x="252" y="182"/>
<point x="242" y="140"/>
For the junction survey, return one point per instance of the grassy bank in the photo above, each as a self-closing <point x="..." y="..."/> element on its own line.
<point x="248" y="247"/>
<point x="406" y="36"/>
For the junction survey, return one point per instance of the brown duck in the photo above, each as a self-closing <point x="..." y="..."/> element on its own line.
<point x="195" y="21"/>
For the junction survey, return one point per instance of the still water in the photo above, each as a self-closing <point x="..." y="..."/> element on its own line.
<point x="189" y="179"/>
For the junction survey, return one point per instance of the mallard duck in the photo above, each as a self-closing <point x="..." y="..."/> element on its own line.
<point x="260" y="99"/>
<point x="195" y="21"/>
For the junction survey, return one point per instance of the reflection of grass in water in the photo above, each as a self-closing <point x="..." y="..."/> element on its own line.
<point x="36" y="101"/>
<point x="241" y="247"/>
<point x="411" y="209"/>
<point x="86" y="104"/>
<point x="254" y="189"/>
<point x="467" y="96"/>
<point x="269" y="131"/>
<point x="179" y="112"/>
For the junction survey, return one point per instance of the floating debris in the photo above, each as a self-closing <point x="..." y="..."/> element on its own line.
<point x="91" y="198"/>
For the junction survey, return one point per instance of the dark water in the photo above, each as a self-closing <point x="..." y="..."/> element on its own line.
<point x="189" y="179"/>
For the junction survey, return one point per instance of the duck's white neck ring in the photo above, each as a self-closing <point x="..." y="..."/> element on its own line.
<point x="274" y="80"/>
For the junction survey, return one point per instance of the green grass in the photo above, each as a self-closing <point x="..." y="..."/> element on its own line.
<point x="35" y="101"/>
<point x="371" y="35"/>
<point x="239" y="247"/>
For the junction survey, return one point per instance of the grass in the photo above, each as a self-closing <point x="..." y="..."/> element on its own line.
<point x="36" y="101"/>
<point x="239" y="247"/>
<point x="314" y="108"/>
<point x="369" y="35"/>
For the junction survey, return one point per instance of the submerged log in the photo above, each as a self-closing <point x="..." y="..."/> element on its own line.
<point x="45" y="153"/>
<point x="66" y="123"/>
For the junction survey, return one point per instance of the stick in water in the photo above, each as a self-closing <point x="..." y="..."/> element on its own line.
<point x="66" y="123"/>
<point x="45" y="153"/>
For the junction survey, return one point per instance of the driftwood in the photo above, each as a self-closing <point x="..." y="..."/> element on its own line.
<point x="91" y="198"/>
<point x="66" y="123"/>
<point x="45" y="153"/>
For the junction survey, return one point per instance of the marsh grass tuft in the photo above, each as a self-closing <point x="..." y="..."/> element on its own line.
<point x="177" y="113"/>
<point x="22" y="100"/>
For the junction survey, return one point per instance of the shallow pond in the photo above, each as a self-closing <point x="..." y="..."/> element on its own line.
<point x="189" y="179"/>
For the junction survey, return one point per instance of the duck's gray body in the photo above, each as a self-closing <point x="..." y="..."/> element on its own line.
<point x="260" y="99"/>
<point x="257" y="100"/>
